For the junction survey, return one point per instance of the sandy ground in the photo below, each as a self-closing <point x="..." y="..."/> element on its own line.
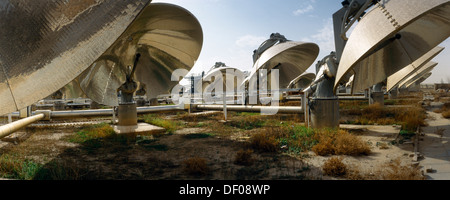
<point x="435" y="147"/>
<point x="163" y="157"/>
<point x="380" y="139"/>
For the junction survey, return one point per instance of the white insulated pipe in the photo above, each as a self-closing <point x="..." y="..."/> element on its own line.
<point x="156" y="109"/>
<point x="107" y="112"/>
<point x="276" y="109"/>
<point x="8" y="129"/>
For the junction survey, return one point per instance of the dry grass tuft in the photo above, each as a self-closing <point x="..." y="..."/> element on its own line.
<point x="348" y="144"/>
<point x="374" y="111"/>
<point x="340" y="143"/>
<point x="265" y="141"/>
<point x="325" y="145"/>
<point x="334" y="167"/>
<point x="196" y="166"/>
<point x="410" y="118"/>
<point x="396" y="171"/>
<point x="297" y="139"/>
<point x="445" y="110"/>
<point x="446" y="114"/>
<point x="244" y="157"/>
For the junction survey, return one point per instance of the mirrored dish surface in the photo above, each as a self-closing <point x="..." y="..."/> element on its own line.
<point x="290" y="58"/>
<point x="303" y="81"/>
<point x="391" y="36"/>
<point x="167" y="36"/>
<point x="405" y="73"/>
<point x="218" y="75"/>
<point x="46" y="44"/>
<point x="420" y="80"/>
<point x="417" y="75"/>
<point x="72" y="91"/>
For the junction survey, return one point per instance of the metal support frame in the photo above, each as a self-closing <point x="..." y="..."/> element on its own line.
<point x="322" y="88"/>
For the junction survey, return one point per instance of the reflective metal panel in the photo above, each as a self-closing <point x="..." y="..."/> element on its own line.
<point x="45" y="44"/>
<point x="391" y="36"/>
<point x="422" y="72"/>
<point x="209" y="78"/>
<point x="403" y="74"/>
<point x="72" y="91"/>
<point x="420" y="80"/>
<point x="167" y="36"/>
<point x="302" y="81"/>
<point x="291" y="58"/>
<point x="350" y="81"/>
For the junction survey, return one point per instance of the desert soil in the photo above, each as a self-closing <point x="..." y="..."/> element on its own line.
<point x="163" y="157"/>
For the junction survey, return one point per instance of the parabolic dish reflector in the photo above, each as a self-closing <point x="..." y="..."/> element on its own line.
<point x="222" y="73"/>
<point x="420" y="80"/>
<point x="303" y="81"/>
<point x="72" y="91"/>
<point x="405" y="73"/>
<point x="391" y="36"/>
<point x="417" y="75"/>
<point x="291" y="58"/>
<point x="45" y="44"/>
<point x="167" y="36"/>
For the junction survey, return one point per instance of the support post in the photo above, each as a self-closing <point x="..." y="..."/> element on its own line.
<point x="305" y="108"/>
<point x="376" y="95"/>
<point x="324" y="113"/>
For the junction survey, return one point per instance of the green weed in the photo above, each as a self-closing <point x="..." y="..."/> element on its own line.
<point x="170" y="125"/>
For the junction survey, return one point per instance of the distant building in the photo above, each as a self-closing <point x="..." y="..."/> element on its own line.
<point x="427" y="87"/>
<point x="442" y="86"/>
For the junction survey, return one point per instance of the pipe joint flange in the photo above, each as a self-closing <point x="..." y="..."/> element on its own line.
<point x="47" y="114"/>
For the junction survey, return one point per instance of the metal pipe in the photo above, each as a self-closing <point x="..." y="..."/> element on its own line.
<point x="106" y="112"/>
<point x="279" y="109"/>
<point x="81" y="113"/>
<point x="8" y="129"/>
<point x="353" y="98"/>
<point x="155" y="109"/>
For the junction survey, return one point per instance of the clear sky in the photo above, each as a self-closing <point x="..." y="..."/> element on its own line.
<point x="232" y="29"/>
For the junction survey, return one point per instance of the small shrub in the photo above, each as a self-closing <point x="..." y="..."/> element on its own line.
<point x="265" y="141"/>
<point x="446" y="114"/>
<point x="324" y="147"/>
<point x="348" y="144"/>
<point x="412" y="118"/>
<point x="339" y="143"/>
<point x="244" y="157"/>
<point x="396" y="171"/>
<point x="445" y="110"/>
<point x="334" y="167"/>
<point x="196" y="166"/>
<point x="374" y="111"/>
<point x="18" y="168"/>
